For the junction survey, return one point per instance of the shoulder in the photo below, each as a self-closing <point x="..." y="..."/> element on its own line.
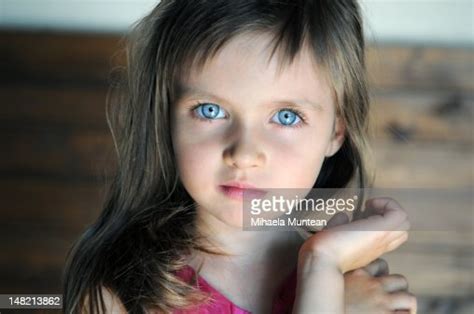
<point x="112" y="302"/>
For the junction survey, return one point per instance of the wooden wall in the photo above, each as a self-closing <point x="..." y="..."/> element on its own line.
<point x="56" y="148"/>
<point x="57" y="152"/>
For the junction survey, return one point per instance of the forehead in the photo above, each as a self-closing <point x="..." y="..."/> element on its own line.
<point x="243" y="69"/>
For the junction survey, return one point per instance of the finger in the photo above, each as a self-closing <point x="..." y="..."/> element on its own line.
<point x="379" y="267"/>
<point x="371" y="208"/>
<point x="381" y="204"/>
<point x="402" y="301"/>
<point x="405" y="226"/>
<point x="396" y="235"/>
<point x="397" y="242"/>
<point x="392" y="212"/>
<point x="338" y="219"/>
<point x="393" y="283"/>
<point x="384" y="214"/>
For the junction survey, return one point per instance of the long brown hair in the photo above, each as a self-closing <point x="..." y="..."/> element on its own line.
<point x="147" y="225"/>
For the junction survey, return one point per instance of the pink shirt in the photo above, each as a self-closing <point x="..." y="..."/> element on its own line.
<point x="282" y="303"/>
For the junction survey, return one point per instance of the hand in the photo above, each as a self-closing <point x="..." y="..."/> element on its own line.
<point x="371" y="290"/>
<point x="353" y="245"/>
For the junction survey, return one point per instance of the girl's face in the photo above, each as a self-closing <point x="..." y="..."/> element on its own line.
<point x="253" y="126"/>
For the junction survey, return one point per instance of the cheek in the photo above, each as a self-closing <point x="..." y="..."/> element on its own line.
<point x="299" y="164"/>
<point x="195" y="157"/>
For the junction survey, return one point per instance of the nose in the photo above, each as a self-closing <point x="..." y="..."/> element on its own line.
<point x="244" y="152"/>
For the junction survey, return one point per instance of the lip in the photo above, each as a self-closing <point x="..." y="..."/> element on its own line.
<point x="235" y="190"/>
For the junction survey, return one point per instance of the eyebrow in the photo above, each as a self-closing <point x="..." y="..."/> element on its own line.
<point x="187" y="91"/>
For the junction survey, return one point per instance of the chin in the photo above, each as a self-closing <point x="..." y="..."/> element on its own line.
<point x="233" y="218"/>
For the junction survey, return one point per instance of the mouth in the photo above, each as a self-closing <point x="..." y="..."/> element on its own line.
<point x="237" y="191"/>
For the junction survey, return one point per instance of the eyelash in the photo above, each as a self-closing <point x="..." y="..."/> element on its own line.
<point x="294" y="110"/>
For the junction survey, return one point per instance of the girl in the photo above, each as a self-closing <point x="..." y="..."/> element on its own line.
<point x="223" y="96"/>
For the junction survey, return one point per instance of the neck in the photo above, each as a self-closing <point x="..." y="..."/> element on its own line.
<point x="247" y="248"/>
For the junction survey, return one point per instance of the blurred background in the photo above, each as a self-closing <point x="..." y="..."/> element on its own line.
<point x="55" y="63"/>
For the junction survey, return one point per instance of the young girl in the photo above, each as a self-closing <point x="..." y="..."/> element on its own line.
<point x="223" y="96"/>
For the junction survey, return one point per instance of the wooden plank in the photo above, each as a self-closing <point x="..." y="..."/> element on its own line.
<point x="23" y="248"/>
<point x="50" y="202"/>
<point x="435" y="209"/>
<point x="421" y="67"/>
<point x="77" y="58"/>
<point x="21" y="280"/>
<point x="57" y="153"/>
<point x="446" y="305"/>
<point x="88" y="59"/>
<point x="33" y="257"/>
<point x="422" y="165"/>
<point x="404" y="116"/>
<point x="36" y="247"/>
<point x="69" y="107"/>
<point x="433" y="272"/>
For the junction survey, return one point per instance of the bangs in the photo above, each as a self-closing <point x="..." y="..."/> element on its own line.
<point x="202" y="29"/>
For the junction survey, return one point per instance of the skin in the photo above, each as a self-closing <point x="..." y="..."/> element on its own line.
<point x="249" y="143"/>
<point x="327" y="258"/>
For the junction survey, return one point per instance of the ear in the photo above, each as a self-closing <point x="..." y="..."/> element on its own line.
<point x="337" y="137"/>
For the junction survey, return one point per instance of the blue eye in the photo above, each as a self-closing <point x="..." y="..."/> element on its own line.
<point x="286" y="117"/>
<point x="209" y="111"/>
<point x="283" y="118"/>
